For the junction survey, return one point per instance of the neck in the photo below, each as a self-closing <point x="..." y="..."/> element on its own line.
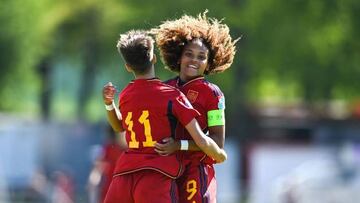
<point x="148" y="75"/>
<point x="187" y="79"/>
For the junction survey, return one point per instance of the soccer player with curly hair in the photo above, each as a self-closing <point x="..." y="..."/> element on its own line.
<point x="194" y="47"/>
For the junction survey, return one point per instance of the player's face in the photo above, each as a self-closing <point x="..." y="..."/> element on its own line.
<point x="194" y="60"/>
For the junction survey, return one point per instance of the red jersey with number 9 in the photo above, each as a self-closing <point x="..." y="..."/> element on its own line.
<point x="204" y="96"/>
<point x="150" y="110"/>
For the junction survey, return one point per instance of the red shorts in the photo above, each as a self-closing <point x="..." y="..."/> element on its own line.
<point x="145" y="186"/>
<point x="197" y="184"/>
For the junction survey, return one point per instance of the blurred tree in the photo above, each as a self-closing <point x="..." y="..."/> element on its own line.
<point x="311" y="43"/>
<point x="299" y="49"/>
<point x="26" y="41"/>
<point x="44" y="70"/>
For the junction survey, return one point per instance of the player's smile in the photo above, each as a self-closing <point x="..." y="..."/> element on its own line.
<point x="194" y="60"/>
<point x="193" y="66"/>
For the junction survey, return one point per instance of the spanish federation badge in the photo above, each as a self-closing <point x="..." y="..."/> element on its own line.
<point x="192" y="95"/>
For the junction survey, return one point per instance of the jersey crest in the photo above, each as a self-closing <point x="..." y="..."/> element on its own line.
<point x="192" y="95"/>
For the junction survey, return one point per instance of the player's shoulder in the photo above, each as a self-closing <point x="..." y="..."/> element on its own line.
<point x="173" y="94"/>
<point x="209" y="87"/>
<point x="171" y="81"/>
<point x="169" y="89"/>
<point x="126" y="90"/>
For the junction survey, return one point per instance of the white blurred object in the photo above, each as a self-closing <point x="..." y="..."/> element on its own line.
<point x="269" y="162"/>
<point x="327" y="181"/>
<point x="4" y="193"/>
<point x="19" y="152"/>
<point x="228" y="175"/>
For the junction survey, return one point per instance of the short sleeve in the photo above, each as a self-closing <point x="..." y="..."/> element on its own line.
<point x="215" y="99"/>
<point x="183" y="110"/>
<point x="215" y="107"/>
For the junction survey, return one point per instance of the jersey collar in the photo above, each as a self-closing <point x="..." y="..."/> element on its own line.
<point x="146" y="80"/>
<point x="179" y="83"/>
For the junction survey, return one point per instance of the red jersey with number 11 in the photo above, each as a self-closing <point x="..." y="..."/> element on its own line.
<point x="150" y="110"/>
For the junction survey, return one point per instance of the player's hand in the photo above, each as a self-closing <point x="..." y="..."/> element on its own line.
<point x="222" y="156"/>
<point x="108" y="92"/>
<point x="168" y="146"/>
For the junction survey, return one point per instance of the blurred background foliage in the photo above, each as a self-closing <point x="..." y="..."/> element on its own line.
<point x="55" y="56"/>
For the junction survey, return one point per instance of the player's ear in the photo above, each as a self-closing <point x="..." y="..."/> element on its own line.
<point x="128" y="68"/>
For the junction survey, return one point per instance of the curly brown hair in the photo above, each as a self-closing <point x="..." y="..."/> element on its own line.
<point x="172" y="35"/>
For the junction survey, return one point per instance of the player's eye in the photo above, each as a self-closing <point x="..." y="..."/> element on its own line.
<point x="188" y="54"/>
<point x="202" y="57"/>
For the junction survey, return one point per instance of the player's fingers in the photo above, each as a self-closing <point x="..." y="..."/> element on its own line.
<point x="162" y="153"/>
<point x="109" y="91"/>
<point x="165" y="146"/>
<point x="108" y="84"/>
<point x="109" y="88"/>
<point x="167" y="139"/>
<point x="108" y="94"/>
<point x="159" y="146"/>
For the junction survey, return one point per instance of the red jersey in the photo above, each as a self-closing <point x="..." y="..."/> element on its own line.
<point x="150" y="110"/>
<point x="204" y="96"/>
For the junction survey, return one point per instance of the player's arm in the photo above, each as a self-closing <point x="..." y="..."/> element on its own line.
<point x="114" y="118"/>
<point x="186" y="114"/>
<point x="169" y="145"/>
<point x="205" y="143"/>
<point x="113" y="114"/>
<point x="201" y="142"/>
<point x="216" y="123"/>
<point x="216" y="133"/>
